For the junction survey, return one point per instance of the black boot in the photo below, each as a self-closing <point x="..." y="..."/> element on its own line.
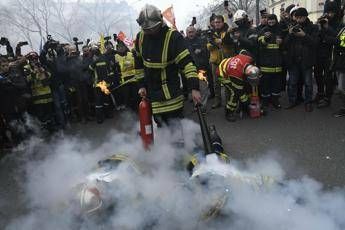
<point x="276" y="103"/>
<point x="230" y="116"/>
<point x="99" y="115"/>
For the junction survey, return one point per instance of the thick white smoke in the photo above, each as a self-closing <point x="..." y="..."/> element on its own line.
<point x="163" y="196"/>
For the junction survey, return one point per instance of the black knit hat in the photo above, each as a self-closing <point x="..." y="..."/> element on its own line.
<point x="331" y="6"/>
<point x="272" y="17"/>
<point x="289" y="8"/>
<point x="301" y="12"/>
<point x="263" y="12"/>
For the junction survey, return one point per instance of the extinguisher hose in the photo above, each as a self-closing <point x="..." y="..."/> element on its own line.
<point x="204" y="131"/>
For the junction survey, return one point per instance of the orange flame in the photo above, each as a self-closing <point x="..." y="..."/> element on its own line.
<point x="103" y="86"/>
<point x="202" y="75"/>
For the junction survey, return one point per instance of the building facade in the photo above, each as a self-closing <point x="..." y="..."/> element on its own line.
<point x="314" y="7"/>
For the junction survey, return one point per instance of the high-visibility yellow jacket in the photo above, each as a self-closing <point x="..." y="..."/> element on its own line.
<point x="127" y="66"/>
<point x="39" y="81"/>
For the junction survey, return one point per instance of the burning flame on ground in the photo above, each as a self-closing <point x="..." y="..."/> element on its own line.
<point x="103" y="86"/>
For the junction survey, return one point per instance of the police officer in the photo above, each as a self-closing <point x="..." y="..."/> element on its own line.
<point x="162" y="52"/>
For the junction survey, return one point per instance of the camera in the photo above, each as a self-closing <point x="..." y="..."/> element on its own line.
<point x="51" y="43"/>
<point x="3" y="41"/>
<point x="296" y="28"/>
<point x="226" y="4"/>
<point x="115" y="37"/>
<point x="107" y="38"/>
<point x="23" y="43"/>
<point x="75" y="39"/>
<point x="322" y="20"/>
<point x="193" y="21"/>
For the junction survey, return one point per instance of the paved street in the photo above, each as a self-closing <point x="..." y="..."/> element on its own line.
<point x="303" y="143"/>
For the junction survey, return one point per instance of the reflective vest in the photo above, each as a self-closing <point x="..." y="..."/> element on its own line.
<point x="40" y="89"/>
<point x="127" y="66"/>
<point x="342" y="38"/>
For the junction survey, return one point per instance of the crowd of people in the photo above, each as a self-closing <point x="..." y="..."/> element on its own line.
<point x="62" y="84"/>
<point x="290" y="51"/>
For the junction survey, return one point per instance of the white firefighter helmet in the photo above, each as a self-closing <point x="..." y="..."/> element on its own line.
<point x="150" y="17"/>
<point x="253" y="75"/>
<point x="239" y="15"/>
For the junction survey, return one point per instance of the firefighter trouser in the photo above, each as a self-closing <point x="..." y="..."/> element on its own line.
<point x="324" y="79"/>
<point x="235" y="90"/>
<point x="168" y="118"/>
<point x="44" y="113"/>
<point x="216" y="82"/>
<point x="102" y="105"/>
<point x="270" y="85"/>
<point x="129" y="94"/>
<point x="82" y="99"/>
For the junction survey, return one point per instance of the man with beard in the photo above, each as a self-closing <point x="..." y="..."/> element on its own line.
<point x="301" y="45"/>
<point x="270" y="56"/>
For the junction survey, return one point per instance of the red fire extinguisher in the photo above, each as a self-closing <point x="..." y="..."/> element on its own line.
<point x="254" y="107"/>
<point x="146" y="127"/>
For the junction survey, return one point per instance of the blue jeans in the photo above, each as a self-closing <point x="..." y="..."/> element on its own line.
<point x="295" y="74"/>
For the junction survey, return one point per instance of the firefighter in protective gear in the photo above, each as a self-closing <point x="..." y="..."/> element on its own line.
<point x="161" y="53"/>
<point x="270" y="62"/>
<point x="102" y="71"/>
<point x="39" y="80"/>
<point x="128" y="82"/>
<point x="234" y="72"/>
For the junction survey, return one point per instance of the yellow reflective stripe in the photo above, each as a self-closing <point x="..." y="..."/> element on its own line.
<point x="162" y="107"/>
<point x="342" y="40"/>
<point x="43" y="101"/>
<point x="165" y="60"/>
<point x="182" y="55"/>
<point x="222" y="67"/>
<point x="190" y="70"/>
<point x="165" y="85"/>
<point x="157" y="65"/>
<point x="272" y="46"/>
<point x="271" y="69"/>
<point x="262" y="39"/>
<point x="244" y="97"/>
<point x="141" y="40"/>
<point x="166" y="46"/>
<point x="101" y="63"/>
<point x="166" y="103"/>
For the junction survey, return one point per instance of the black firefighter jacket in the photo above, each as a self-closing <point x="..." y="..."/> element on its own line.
<point x="162" y="56"/>
<point x="270" y="56"/>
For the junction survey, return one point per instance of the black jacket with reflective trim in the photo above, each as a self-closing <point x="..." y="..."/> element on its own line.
<point x="270" y="54"/>
<point x="150" y="51"/>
